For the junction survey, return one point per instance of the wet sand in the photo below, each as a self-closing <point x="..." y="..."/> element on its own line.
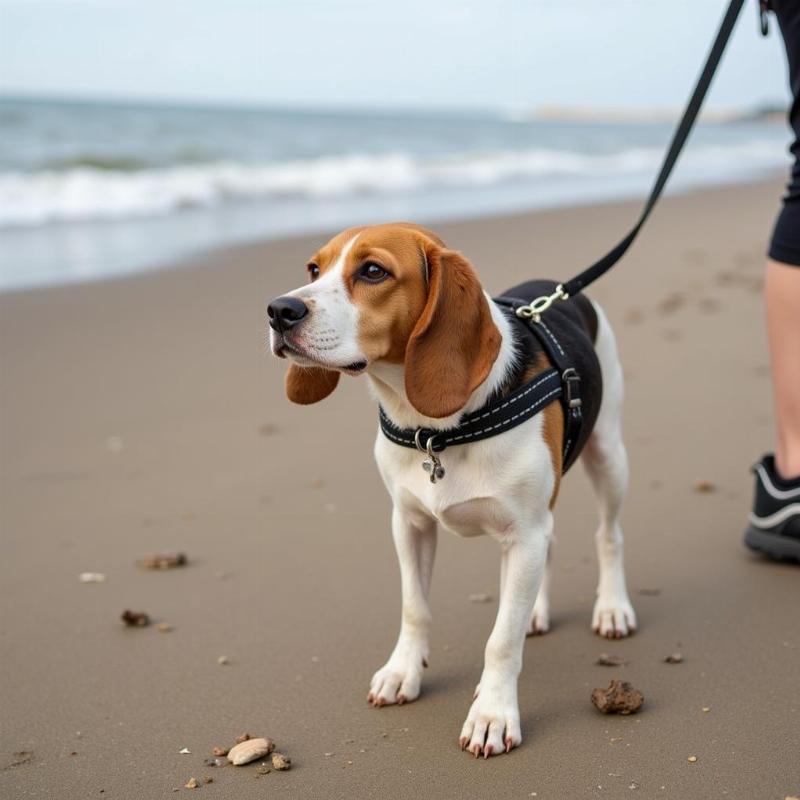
<point x="145" y="414"/>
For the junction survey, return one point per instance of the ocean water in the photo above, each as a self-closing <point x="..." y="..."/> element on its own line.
<point x="90" y="190"/>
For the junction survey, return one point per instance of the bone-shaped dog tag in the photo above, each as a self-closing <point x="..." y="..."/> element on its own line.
<point x="434" y="468"/>
<point x="431" y="464"/>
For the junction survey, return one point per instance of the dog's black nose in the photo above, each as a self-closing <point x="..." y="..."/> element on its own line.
<point x="286" y="312"/>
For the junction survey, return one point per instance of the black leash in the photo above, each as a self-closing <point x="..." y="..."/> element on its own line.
<point x="604" y="264"/>
<point x="561" y="381"/>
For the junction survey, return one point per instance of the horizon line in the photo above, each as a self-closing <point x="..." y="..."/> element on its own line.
<point x="514" y="111"/>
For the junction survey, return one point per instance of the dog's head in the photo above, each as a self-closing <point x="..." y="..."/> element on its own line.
<point x="387" y="293"/>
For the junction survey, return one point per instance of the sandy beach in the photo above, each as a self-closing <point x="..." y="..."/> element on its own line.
<point x="146" y="414"/>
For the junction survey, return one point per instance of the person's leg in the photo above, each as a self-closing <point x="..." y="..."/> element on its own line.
<point x="782" y="290"/>
<point x="774" y="527"/>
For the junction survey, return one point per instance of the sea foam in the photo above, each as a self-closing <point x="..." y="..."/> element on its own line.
<point x="88" y="193"/>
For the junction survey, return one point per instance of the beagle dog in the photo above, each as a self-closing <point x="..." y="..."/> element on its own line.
<point x="394" y="303"/>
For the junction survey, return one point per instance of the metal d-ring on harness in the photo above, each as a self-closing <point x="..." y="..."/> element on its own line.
<point x="563" y="380"/>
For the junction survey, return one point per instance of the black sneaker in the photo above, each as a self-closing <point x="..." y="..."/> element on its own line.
<point x="774" y="528"/>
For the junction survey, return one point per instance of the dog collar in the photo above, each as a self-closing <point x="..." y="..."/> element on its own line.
<point x="503" y="413"/>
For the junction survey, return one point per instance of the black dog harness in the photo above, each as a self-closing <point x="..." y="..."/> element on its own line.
<point x="560" y="381"/>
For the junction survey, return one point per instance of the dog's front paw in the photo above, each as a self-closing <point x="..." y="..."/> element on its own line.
<point x="613" y="617"/>
<point x="492" y="725"/>
<point x="398" y="681"/>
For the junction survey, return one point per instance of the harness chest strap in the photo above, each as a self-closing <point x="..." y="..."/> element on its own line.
<point x="570" y="378"/>
<point x="503" y="413"/>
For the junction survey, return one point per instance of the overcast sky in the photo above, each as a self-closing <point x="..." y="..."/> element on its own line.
<point x="454" y="53"/>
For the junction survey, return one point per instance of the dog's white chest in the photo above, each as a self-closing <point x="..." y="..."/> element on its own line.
<point x="486" y="484"/>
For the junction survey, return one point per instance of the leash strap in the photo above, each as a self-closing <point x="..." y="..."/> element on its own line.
<point x="602" y="265"/>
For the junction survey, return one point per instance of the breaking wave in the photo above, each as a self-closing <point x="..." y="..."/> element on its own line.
<point x="95" y="190"/>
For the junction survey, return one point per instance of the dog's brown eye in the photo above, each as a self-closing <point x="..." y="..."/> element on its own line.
<point x="373" y="272"/>
<point x="313" y="271"/>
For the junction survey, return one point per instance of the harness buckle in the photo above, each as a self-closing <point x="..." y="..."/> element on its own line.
<point x="572" y="383"/>
<point x="535" y="310"/>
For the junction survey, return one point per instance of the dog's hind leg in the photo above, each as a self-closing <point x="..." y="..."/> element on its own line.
<point x="606" y="462"/>
<point x="399" y="680"/>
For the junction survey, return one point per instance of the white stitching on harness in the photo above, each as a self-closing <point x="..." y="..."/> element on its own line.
<point x="546" y="378"/>
<point x="539" y="402"/>
<point x="451" y="439"/>
<point x="552" y="338"/>
<point x="549" y="377"/>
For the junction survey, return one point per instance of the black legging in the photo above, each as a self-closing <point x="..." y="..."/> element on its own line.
<point x="785" y="244"/>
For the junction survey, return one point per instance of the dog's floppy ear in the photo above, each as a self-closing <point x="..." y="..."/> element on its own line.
<point x="307" y="385"/>
<point x="454" y="342"/>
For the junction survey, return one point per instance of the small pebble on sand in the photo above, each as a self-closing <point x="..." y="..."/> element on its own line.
<point x="704" y="487"/>
<point x="619" y="698"/>
<point x="191" y="783"/>
<point x="250" y="750"/>
<point x="674" y="658"/>
<point x="134" y="619"/>
<point x="281" y="762"/>
<point x="222" y="660"/>
<point x="692" y="759"/>
<point x="164" y="627"/>
<point x="162" y="561"/>
<point x="606" y="660"/>
<point x="92" y="577"/>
